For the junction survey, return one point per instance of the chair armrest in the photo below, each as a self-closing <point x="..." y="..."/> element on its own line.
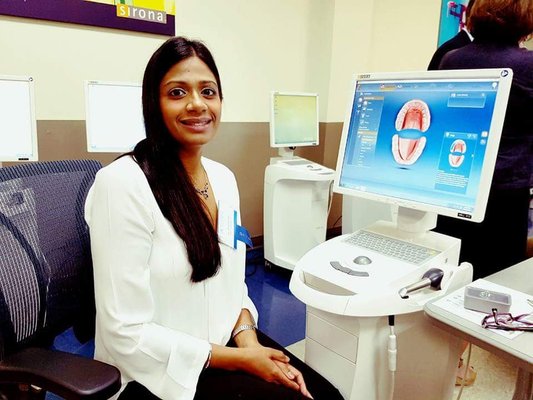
<point x="67" y="375"/>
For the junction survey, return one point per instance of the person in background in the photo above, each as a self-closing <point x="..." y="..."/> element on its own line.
<point x="500" y="241"/>
<point x="462" y="38"/>
<point x="498" y="27"/>
<point x="173" y="311"/>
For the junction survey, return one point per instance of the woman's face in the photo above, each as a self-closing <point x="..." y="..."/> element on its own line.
<point x="190" y="103"/>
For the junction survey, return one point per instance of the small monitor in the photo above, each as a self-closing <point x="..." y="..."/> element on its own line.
<point x="294" y="119"/>
<point x="18" y="125"/>
<point x="114" y="117"/>
<point x="425" y="141"/>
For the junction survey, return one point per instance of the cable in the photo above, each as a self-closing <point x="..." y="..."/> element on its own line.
<point x="467" y="367"/>
<point x="392" y="353"/>
<point x="338" y="219"/>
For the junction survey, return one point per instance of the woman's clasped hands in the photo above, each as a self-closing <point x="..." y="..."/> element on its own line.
<point x="273" y="366"/>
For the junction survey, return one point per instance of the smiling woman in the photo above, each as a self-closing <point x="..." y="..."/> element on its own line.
<point x="190" y="103"/>
<point x="173" y="311"/>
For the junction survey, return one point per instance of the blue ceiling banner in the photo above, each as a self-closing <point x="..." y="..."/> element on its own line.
<point x="149" y="16"/>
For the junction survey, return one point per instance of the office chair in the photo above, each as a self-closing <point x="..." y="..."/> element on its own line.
<point x="46" y="282"/>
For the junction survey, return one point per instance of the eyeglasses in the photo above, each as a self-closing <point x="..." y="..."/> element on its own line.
<point x="507" y="322"/>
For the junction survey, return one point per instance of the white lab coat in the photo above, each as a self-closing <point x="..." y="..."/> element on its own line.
<point x="153" y="323"/>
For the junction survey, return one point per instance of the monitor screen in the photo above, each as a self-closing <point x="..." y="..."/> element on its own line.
<point x="18" y="124"/>
<point x="114" y="116"/>
<point x="424" y="140"/>
<point x="294" y="119"/>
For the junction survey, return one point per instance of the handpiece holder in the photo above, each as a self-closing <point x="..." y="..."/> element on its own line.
<point x="432" y="277"/>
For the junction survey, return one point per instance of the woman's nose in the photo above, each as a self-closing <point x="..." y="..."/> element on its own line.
<point x="196" y="103"/>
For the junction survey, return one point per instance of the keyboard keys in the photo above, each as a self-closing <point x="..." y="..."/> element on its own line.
<point x="395" y="248"/>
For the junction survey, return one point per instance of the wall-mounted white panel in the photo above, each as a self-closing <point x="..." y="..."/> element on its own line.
<point x="114" y="116"/>
<point x="18" y="131"/>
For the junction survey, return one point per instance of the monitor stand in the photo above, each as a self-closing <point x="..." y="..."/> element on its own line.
<point x="286" y="152"/>
<point x="414" y="223"/>
<point x="353" y="219"/>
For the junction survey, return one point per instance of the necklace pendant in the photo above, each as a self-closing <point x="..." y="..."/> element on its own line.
<point x="204" y="192"/>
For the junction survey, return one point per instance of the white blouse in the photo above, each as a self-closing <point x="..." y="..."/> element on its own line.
<point x="152" y="322"/>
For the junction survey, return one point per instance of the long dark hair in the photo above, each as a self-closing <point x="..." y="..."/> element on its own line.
<point x="157" y="155"/>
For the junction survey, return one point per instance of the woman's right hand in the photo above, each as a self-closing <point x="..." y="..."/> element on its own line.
<point x="265" y="362"/>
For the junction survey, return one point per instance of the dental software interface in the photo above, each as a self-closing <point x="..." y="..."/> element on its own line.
<point x="423" y="141"/>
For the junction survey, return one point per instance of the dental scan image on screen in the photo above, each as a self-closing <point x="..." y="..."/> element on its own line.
<point x="427" y="143"/>
<point x="294" y="119"/>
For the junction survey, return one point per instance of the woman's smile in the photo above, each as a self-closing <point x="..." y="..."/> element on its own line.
<point x="196" y="124"/>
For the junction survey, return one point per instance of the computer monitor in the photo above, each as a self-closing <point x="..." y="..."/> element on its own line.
<point x="18" y="125"/>
<point x="425" y="141"/>
<point x="294" y="119"/>
<point x="114" y="117"/>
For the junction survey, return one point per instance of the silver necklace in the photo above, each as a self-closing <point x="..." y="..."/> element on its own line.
<point x="205" y="191"/>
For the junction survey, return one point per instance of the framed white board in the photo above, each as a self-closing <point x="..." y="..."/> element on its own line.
<point x="114" y="119"/>
<point x="18" y="125"/>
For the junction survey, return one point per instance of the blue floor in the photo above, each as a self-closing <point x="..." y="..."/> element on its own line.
<point x="281" y="315"/>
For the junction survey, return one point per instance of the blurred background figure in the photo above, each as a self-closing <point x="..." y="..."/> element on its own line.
<point x="462" y="38"/>
<point x="499" y="28"/>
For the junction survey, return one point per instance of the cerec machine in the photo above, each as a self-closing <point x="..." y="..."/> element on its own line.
<point x="297" y="191"/>
<point x="425" y="143"/>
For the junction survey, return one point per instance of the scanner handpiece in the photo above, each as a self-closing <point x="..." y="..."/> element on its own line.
<point x="432" y="277"/>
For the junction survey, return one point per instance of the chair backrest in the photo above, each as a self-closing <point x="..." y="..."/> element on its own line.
<point x="45" y="262"/>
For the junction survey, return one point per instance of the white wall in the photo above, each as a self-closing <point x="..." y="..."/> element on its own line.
<point x="301" y="45"/>
<point x="62" y="56"/>
<point x="404" y="34"/>
<point x="351" y="46"/>
<point x="378" y="35"/>
<point x="259" y="46"/>
<point x="262" y="46"/>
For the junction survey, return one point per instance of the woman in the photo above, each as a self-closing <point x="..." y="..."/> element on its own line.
<point x="169" y="296"/>
<point x="498" y="27"/>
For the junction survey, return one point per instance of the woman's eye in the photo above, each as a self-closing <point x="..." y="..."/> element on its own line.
<point x="209" y="92"/>
<point x="176" y="92"/>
